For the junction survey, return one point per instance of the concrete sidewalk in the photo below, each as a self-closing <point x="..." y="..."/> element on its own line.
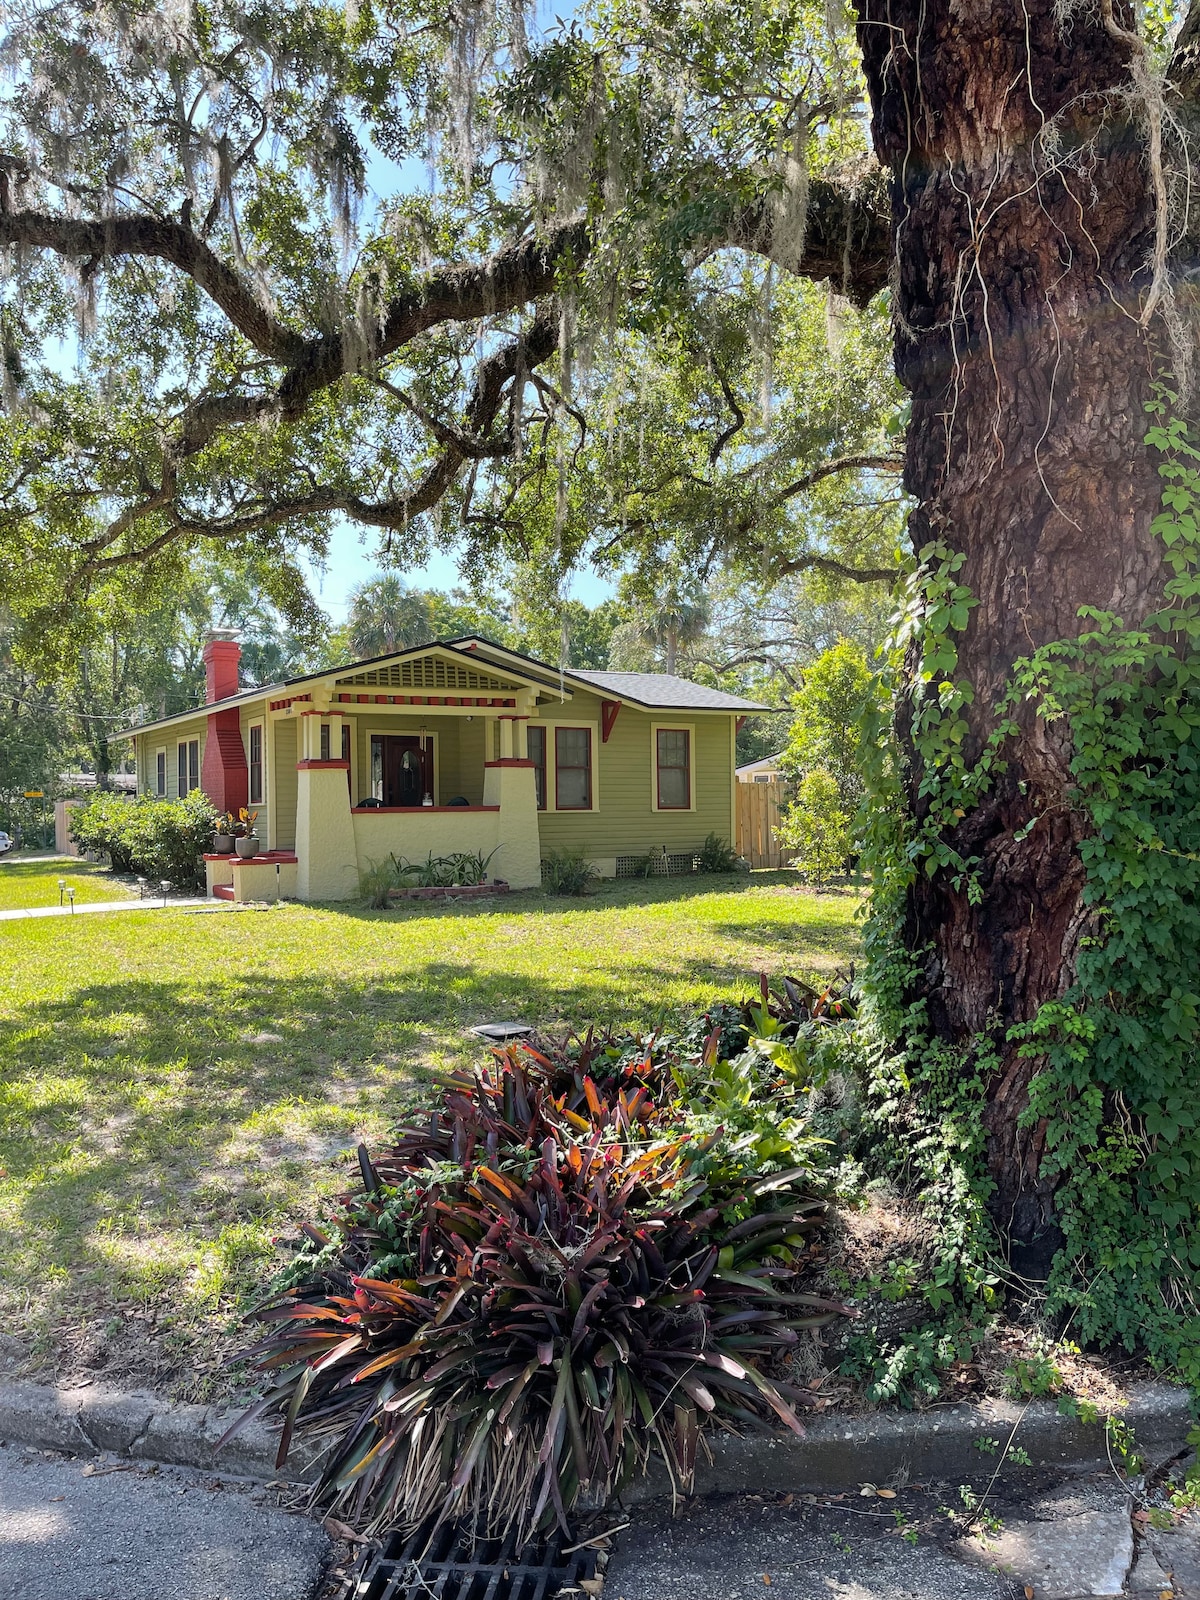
<point x="150" y="903"/>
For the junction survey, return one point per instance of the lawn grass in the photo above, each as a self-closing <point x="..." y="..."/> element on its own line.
<point x="27" y="881"/>
<point x="178" y="1089"/>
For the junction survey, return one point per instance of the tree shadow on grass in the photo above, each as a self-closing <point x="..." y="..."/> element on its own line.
<point x="608" y="894"/>
<point x="132" y="1109"/>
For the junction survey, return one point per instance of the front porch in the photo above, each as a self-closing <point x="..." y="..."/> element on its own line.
<point x="379" y="775"/>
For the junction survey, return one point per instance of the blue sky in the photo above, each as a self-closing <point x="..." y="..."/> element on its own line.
<point x="351" y="561"/>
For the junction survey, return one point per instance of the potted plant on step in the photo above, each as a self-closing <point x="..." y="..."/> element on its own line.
<point x="223" y="838"/>
<point x="246" y="843"/>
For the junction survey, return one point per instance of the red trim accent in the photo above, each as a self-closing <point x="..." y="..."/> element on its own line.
<point x="608" y="718"/>
<point x="222" y="891"/>
<point x="271" y="858"/>
<point x="322" y="766"/>
<point x="372" y="811"/>
<point x="508" y="761"/>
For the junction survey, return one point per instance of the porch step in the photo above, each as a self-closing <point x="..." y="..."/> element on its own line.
<point x="222" y="891"/>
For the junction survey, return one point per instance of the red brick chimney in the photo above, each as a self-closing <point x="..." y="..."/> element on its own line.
<point x="221" y="656"/>
<point x="224" y="776"/>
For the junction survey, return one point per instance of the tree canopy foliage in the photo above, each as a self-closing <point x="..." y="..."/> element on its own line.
<point x="433" y="272"/>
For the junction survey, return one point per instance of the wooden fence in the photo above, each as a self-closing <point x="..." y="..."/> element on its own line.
<point x="758" y="807"/>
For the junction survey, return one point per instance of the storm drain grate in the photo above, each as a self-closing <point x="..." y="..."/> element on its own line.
<point x="455" y="1566"/>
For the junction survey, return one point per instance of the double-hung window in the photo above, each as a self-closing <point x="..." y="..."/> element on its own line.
<point x="160" y="774"/>
<point x="673" y="769"/>
<point x="573" y="769"/>
<point x="188" y="770"/>
<point x="536" y="742"/>
<point x="256" y="763"/>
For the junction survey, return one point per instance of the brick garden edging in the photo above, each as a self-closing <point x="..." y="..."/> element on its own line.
<point x="837" y="1453"/>
<point x="460" y="891"/>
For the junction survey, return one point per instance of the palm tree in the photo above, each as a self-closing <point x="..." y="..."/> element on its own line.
<point x="675" y="619"/>
<point x="386" y="616"/>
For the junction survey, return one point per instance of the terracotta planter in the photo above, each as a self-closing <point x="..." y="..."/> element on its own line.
<point x="246" y="847"/>
<point x="223" y="844"/>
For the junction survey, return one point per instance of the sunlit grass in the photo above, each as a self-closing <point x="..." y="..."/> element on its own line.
<point x="178" y="1089"/>
<point x="33" y="881"/>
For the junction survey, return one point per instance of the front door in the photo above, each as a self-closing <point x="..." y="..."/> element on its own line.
<point x="401" y="771"/>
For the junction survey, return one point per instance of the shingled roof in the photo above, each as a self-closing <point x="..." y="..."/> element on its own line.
<point x="661" y="689"/>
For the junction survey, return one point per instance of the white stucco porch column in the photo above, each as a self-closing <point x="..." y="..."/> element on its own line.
<point x="326" y="859"/>
<point x="509" y="784"/>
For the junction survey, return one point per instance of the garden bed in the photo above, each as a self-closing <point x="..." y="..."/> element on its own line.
<point x="451" y="891"/>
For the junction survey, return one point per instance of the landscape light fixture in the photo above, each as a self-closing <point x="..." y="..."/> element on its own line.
<point x="71" y="898"/>
<point x="61" y="887"/>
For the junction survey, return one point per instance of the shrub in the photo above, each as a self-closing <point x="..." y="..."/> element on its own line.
<point x="718" y="855"/>
<point x="525" y="1300"/>
<point x="458" y="870"/>
<point x="567" y="872"/>
<point x="817" y="830"/>
<point x="163" y="839"/>
<point x="376" y="882"/>
<point x="101" y="825"/>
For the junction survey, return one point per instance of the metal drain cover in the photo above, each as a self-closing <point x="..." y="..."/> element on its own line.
<point x="456" y="1566"/>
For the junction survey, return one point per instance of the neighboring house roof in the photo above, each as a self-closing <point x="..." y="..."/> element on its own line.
<point x="661" y="689"/>
<point x="656" y="690"/>
<point x="763" y="764"/>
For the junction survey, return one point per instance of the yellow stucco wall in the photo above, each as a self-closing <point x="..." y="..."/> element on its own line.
<point x="418" y="832"/>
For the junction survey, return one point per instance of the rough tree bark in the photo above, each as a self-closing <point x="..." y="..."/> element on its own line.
<point x="1021" y="265"/>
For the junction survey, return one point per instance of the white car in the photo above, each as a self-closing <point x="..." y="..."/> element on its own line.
<point x="6" y="843"/>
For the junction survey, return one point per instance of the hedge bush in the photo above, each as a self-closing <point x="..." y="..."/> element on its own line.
<point x="162" y="839"/>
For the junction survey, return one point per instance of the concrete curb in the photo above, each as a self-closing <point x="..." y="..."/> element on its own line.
<point x="836" y="1453"/>
<point x="140" y="1425"/>
<point x="891" y="1447"/>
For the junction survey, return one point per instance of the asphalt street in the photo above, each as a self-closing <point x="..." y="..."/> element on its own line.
<point x="97" y="1530"/>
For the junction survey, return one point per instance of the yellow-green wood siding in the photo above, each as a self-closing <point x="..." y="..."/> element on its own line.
<point x="624" y="821"/>
<point x="284" y="774"/>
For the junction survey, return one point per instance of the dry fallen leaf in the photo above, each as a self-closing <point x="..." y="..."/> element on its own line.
<point x="341" y="1530"/>
<point x="1166" y="1594"/>
<point x="886" y="1494"/>
<point x="592" y="1586"/>
<point x="55" y="1498"/>
<point x="766" y="1578"/>
<point x="1028" y="1591"/>
<point x="867" y="1491"/>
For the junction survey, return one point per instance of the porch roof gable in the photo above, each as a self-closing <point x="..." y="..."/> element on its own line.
<point x="438" y="665"/>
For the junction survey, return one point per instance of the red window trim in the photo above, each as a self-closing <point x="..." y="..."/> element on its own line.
<point x="565" y="727"/>
<point x="658" y="768"/>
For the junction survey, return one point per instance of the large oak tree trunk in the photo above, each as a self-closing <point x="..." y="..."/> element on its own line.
<point x="1021" y="266"/>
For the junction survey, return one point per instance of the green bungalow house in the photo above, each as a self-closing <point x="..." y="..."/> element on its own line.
<point x="458" y="745"/>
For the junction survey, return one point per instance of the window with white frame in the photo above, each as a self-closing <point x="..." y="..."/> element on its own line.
<point x="536" y="744"/>
<point x="255" y="763"/>
<point x="160" y="773"/>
